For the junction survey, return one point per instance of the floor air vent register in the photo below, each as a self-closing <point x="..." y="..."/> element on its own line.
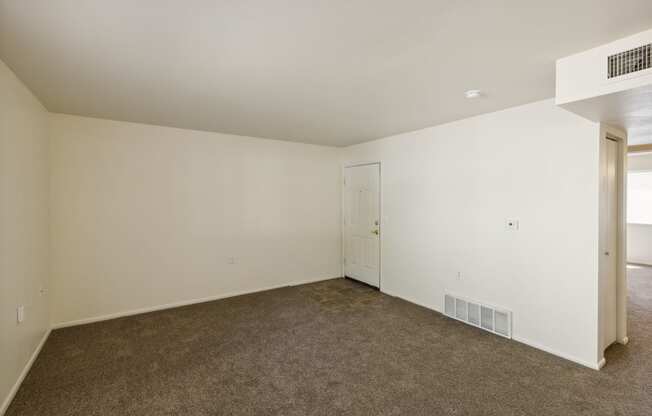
<point x="489" y="318"/>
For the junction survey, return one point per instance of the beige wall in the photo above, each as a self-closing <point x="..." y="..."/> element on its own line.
<point x="144" y="216"/>
<point x="447" y="192"/>
<point x="23" y="227"/>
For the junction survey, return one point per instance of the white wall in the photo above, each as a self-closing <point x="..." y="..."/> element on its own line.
<point x="639" y="236"/>
<point x="23" y="228"/>
<point x="447" y="192"/>
<point x="639" y="243"/>
<point x="144" y="216"/>
<point x="637" y="162"/>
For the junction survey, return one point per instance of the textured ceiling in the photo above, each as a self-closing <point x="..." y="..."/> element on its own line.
<point x="332" y="72"/>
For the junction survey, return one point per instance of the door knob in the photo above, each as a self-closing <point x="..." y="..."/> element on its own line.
<point x="375" y="232"/>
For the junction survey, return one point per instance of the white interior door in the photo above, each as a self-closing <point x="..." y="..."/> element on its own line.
<point x="609" y="266"/>
<point x="361" y="223"/>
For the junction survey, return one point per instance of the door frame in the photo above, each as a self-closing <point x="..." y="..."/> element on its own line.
<point x="380" y="215"/>
<point x="619" y="136"/>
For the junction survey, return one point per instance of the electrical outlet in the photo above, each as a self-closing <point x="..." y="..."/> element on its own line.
<point x="230" y="260"/>
<point x="20" y="314"/>
<point x="42" y="291"/>
<point x="459" y="275"/>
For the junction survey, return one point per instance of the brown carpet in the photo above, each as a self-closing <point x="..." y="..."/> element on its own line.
<point x="330" y="348"/>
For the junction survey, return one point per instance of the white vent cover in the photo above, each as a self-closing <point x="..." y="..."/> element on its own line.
<point x="633" y="60"/>
<point x="489" y="318"/>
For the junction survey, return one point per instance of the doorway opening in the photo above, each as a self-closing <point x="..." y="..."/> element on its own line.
<point x="639" y="238"/>
<point x="639" y="208"/>
<point x="612" y="255"/>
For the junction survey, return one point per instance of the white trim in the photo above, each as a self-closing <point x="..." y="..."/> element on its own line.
<point x="594" y="366"/>
<point x="635" y="263"/>
<point x="23" y="374"/>
<point x="139" y="311"/>
<point x="356" y="165"/>
<point x="423" y="305"/>
<point x="610" y="133"/>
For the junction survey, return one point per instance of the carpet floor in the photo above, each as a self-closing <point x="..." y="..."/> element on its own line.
<point x="330" y="348"/>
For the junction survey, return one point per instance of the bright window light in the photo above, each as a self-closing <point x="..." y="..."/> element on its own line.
<point x="639" y="198"/>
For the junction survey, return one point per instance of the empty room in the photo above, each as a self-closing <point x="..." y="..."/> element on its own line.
<point x="325" y="207"/>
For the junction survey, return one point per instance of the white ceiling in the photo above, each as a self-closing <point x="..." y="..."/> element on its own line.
<point x="332" y="72"/>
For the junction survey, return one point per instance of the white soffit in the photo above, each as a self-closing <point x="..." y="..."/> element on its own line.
<point x="612" y="84"/>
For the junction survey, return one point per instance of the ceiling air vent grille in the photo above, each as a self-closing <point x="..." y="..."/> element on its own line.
<point x="633" y="60"/>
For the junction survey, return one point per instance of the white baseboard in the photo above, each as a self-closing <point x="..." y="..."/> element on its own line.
<point x="595" y="366"/>
<point x="644" y="263"/>
<point x="23" y="374"/>
<point x="180" y="303"/>
<point x="424" y="305"/>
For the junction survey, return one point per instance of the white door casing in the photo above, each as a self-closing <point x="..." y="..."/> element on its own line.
<point x="361" y="223"/>
<point x="609" y="243"/>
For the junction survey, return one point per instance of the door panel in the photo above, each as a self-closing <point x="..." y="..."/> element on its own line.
<point x="361" y="223"/>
